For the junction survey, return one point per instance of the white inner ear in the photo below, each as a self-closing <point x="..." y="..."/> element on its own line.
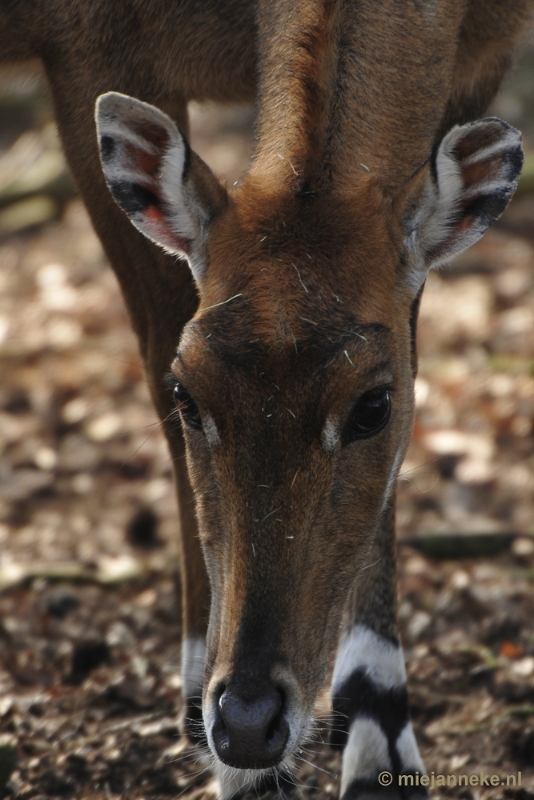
<point x="447" y="194"/>
<point x="188" y="217"/>
<point x="433" y="236"/>
<point x="431" y="223"/>
<point x="180" y="223"/>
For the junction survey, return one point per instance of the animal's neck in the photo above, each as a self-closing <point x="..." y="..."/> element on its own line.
<point x="349" y="89"/>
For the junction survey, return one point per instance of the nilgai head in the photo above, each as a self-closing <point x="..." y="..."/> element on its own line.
<point x="294" y="384"/>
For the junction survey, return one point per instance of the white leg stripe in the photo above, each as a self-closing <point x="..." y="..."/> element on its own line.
<point x="366" y="752"/>
<point x="193" y="658"/>
<point x="408" y="751"/>
<point x="363" y="648"/>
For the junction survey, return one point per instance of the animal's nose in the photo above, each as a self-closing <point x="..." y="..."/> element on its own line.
<point x="250" y="731"/>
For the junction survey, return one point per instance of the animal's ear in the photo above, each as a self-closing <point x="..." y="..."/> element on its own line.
<point x="471" y="181"/>
<point x="166" y="190"/>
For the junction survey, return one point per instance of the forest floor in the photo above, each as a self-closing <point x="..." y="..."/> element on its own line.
<point x="89" y="616"/>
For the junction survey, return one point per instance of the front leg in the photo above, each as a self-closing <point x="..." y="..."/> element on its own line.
<point x="369" y="695"/>
<point x="160" y="296"/>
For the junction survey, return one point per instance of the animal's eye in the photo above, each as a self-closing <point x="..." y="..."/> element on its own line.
<point x="187" y="407"/>
<point x="369" y="416"/>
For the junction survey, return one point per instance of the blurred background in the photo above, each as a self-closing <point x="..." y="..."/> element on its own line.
<point x="89" y="621"/>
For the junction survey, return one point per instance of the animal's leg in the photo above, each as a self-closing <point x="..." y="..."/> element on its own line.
<point x="370" y="702"/>
<point x="195" y="596"/>
<point x="159" y="294"/>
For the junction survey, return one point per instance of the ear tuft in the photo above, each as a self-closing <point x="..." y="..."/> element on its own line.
<point x="168" y="193"/>
<point x="476" y="172"/>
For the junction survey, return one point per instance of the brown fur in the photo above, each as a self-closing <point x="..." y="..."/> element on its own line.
<point x="390" y="78"/>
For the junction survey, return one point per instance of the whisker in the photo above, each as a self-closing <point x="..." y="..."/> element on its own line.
<point x="315" y="766"/>
<point x="418" y="467"/>
<point x="159" y="425"/>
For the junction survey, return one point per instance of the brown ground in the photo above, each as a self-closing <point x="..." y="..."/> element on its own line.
<point x="89" y="623"/>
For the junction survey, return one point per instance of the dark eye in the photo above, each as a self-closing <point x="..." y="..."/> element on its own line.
<point x="370" y="414"/>
<point x="187" y="407"/>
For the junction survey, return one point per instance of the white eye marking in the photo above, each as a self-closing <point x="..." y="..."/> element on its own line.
<point x="392" y="477"/>
<point x="330" y="435"/>
<point x="210" y="430"/>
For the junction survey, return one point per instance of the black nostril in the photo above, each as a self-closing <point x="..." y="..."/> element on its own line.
<point x="250" y="731"/>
